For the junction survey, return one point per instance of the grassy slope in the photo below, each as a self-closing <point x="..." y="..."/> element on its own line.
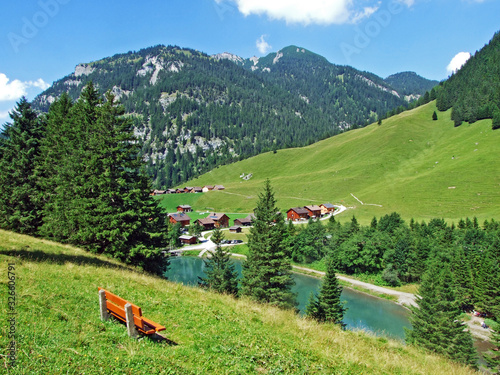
<point x="409" y="164"/>
<point x="59" y="330"/>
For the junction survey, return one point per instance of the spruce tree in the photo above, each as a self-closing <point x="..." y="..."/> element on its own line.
<point x="100" y="197"/>
<point x="492" y="357"/>
<point x="267" y="272"/>
<point x="436" y="321"/>
<point x="20" y="208"/>
<point x="219" y="270"/>
<point x="327" y="307"/>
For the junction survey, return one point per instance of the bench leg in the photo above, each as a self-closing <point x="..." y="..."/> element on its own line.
<point x="131" y="330"/>
<point x="102" y="305"/>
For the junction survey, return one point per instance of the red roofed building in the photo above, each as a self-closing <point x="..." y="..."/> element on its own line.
<point x="181" y="218"/>
<point x="297" y="213"/>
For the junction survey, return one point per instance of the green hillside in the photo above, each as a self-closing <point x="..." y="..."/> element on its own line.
<point x="58" y="329"/>
<point x="410" y="164"/>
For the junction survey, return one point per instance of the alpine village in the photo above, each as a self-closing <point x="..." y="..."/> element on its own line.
<point x="166" y="211"/>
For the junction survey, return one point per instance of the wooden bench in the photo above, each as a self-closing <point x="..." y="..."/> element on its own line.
<point x="111" y="304"/>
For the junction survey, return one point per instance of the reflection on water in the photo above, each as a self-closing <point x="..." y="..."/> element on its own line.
<point x="365" y="312"/>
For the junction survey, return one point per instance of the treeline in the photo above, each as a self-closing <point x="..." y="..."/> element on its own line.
<point x="395" y="253"/>
<point x="75" y="175"/>
<point x="474" y="91"/>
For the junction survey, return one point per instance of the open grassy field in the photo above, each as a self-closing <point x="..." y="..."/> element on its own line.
<point x="58" y="330"/>
<point x="410" y="164"/>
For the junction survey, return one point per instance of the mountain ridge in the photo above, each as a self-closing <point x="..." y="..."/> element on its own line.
<point x="193" y="112"/>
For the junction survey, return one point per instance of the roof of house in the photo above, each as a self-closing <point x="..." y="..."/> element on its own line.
<point x="219" y="187"/>
<point x="184" y="206"/>
<point x="328" y="205"/>
<point x="209" y="186"/>
<point x="244" y="220"/>
<point x="179" y="216"/>
<point x="313" y="207"/>
<point x="197" y="188"/>
<point x="186" y="237"/>
<point x="206" y="221"/>
<point x="299" y="210"/>
<point x="216" y="216"/>
<point x="235" y="227"/>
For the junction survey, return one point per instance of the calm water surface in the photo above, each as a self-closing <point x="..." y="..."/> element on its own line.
<point x="382" y="317"/>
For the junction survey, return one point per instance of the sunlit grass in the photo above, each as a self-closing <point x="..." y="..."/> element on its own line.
<point x="59" y="330"/>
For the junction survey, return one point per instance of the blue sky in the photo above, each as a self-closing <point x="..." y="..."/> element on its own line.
<point x="43" y="40"/>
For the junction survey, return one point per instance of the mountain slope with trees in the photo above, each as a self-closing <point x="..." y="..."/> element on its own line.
<point x="474" y="91"/>
<point x="193" y="112"/>
<point x="410" y="83"/>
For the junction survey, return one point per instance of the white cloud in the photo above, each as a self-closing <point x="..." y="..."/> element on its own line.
<point x="323" y="12"/>
<point x="13" y="90"/>
<point x="4" y="118"/>
<point x="457" y="62"/>
<point x="262" y="45"/>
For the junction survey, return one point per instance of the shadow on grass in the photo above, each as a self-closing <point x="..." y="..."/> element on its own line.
<point x="60" y="259"/>
<point x="155" y="337"/>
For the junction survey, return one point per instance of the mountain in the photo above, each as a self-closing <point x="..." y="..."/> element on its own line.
<point x="410" y="164"/>
<point x="474" y="91"/>
<point x="193" y="112"/>
<point x="410" y="84"/>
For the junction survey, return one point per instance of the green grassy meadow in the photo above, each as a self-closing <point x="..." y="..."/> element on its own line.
<point x="410" y="164"/>
<point x="58" y="329"/>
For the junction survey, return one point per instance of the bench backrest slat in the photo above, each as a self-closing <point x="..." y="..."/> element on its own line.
<point x="120" y="302"/>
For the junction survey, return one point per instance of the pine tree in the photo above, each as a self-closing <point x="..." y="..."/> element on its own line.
<point x="327" y="307"/>
<point x="436" y="321"/>
<point x="434" y="116"/>
<point x="492" y="357"/>
<point x="219" y="270"/>
<point x="100" y="197"/>
<point x="20" y="208"/>
<point x="267" y="271"/>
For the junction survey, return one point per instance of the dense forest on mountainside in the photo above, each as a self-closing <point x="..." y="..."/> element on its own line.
<point x="410" y="83"/>
<point x="193" y="112"/>
<point x="347" y="96"/>
<point x="474" y="91"/>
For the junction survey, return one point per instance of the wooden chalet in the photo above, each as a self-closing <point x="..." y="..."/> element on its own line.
<point x="186" y="239"/>
<point x="170" y="191"/>
<point x="207" y="188"/>
<point x="196" y="189"/>
<point x="188" y="189"/>
<point x="179" y="191"/>
<point x="235" y="229"/>
<point x="219" y="187"/>
<point x="181" y="218"/>
<point x="184" y="208"/>
<point x="207" y="224"/>
<point x="244" y="222"/>
<point x="313" y="210"/>
<point x="221" y="220"/>
<point x="326" y="208"/>
<point x="297" y="213"/>
<point x="158" y="192"/>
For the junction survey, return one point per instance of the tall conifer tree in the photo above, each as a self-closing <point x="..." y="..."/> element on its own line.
<point x="267" y="272"/>
<point x="436" y="321"/>
<point x="20" y="208"/>
<point x="219" y="270"/>
<point x="101" y="195"/>
<point x="327" y="307"/>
